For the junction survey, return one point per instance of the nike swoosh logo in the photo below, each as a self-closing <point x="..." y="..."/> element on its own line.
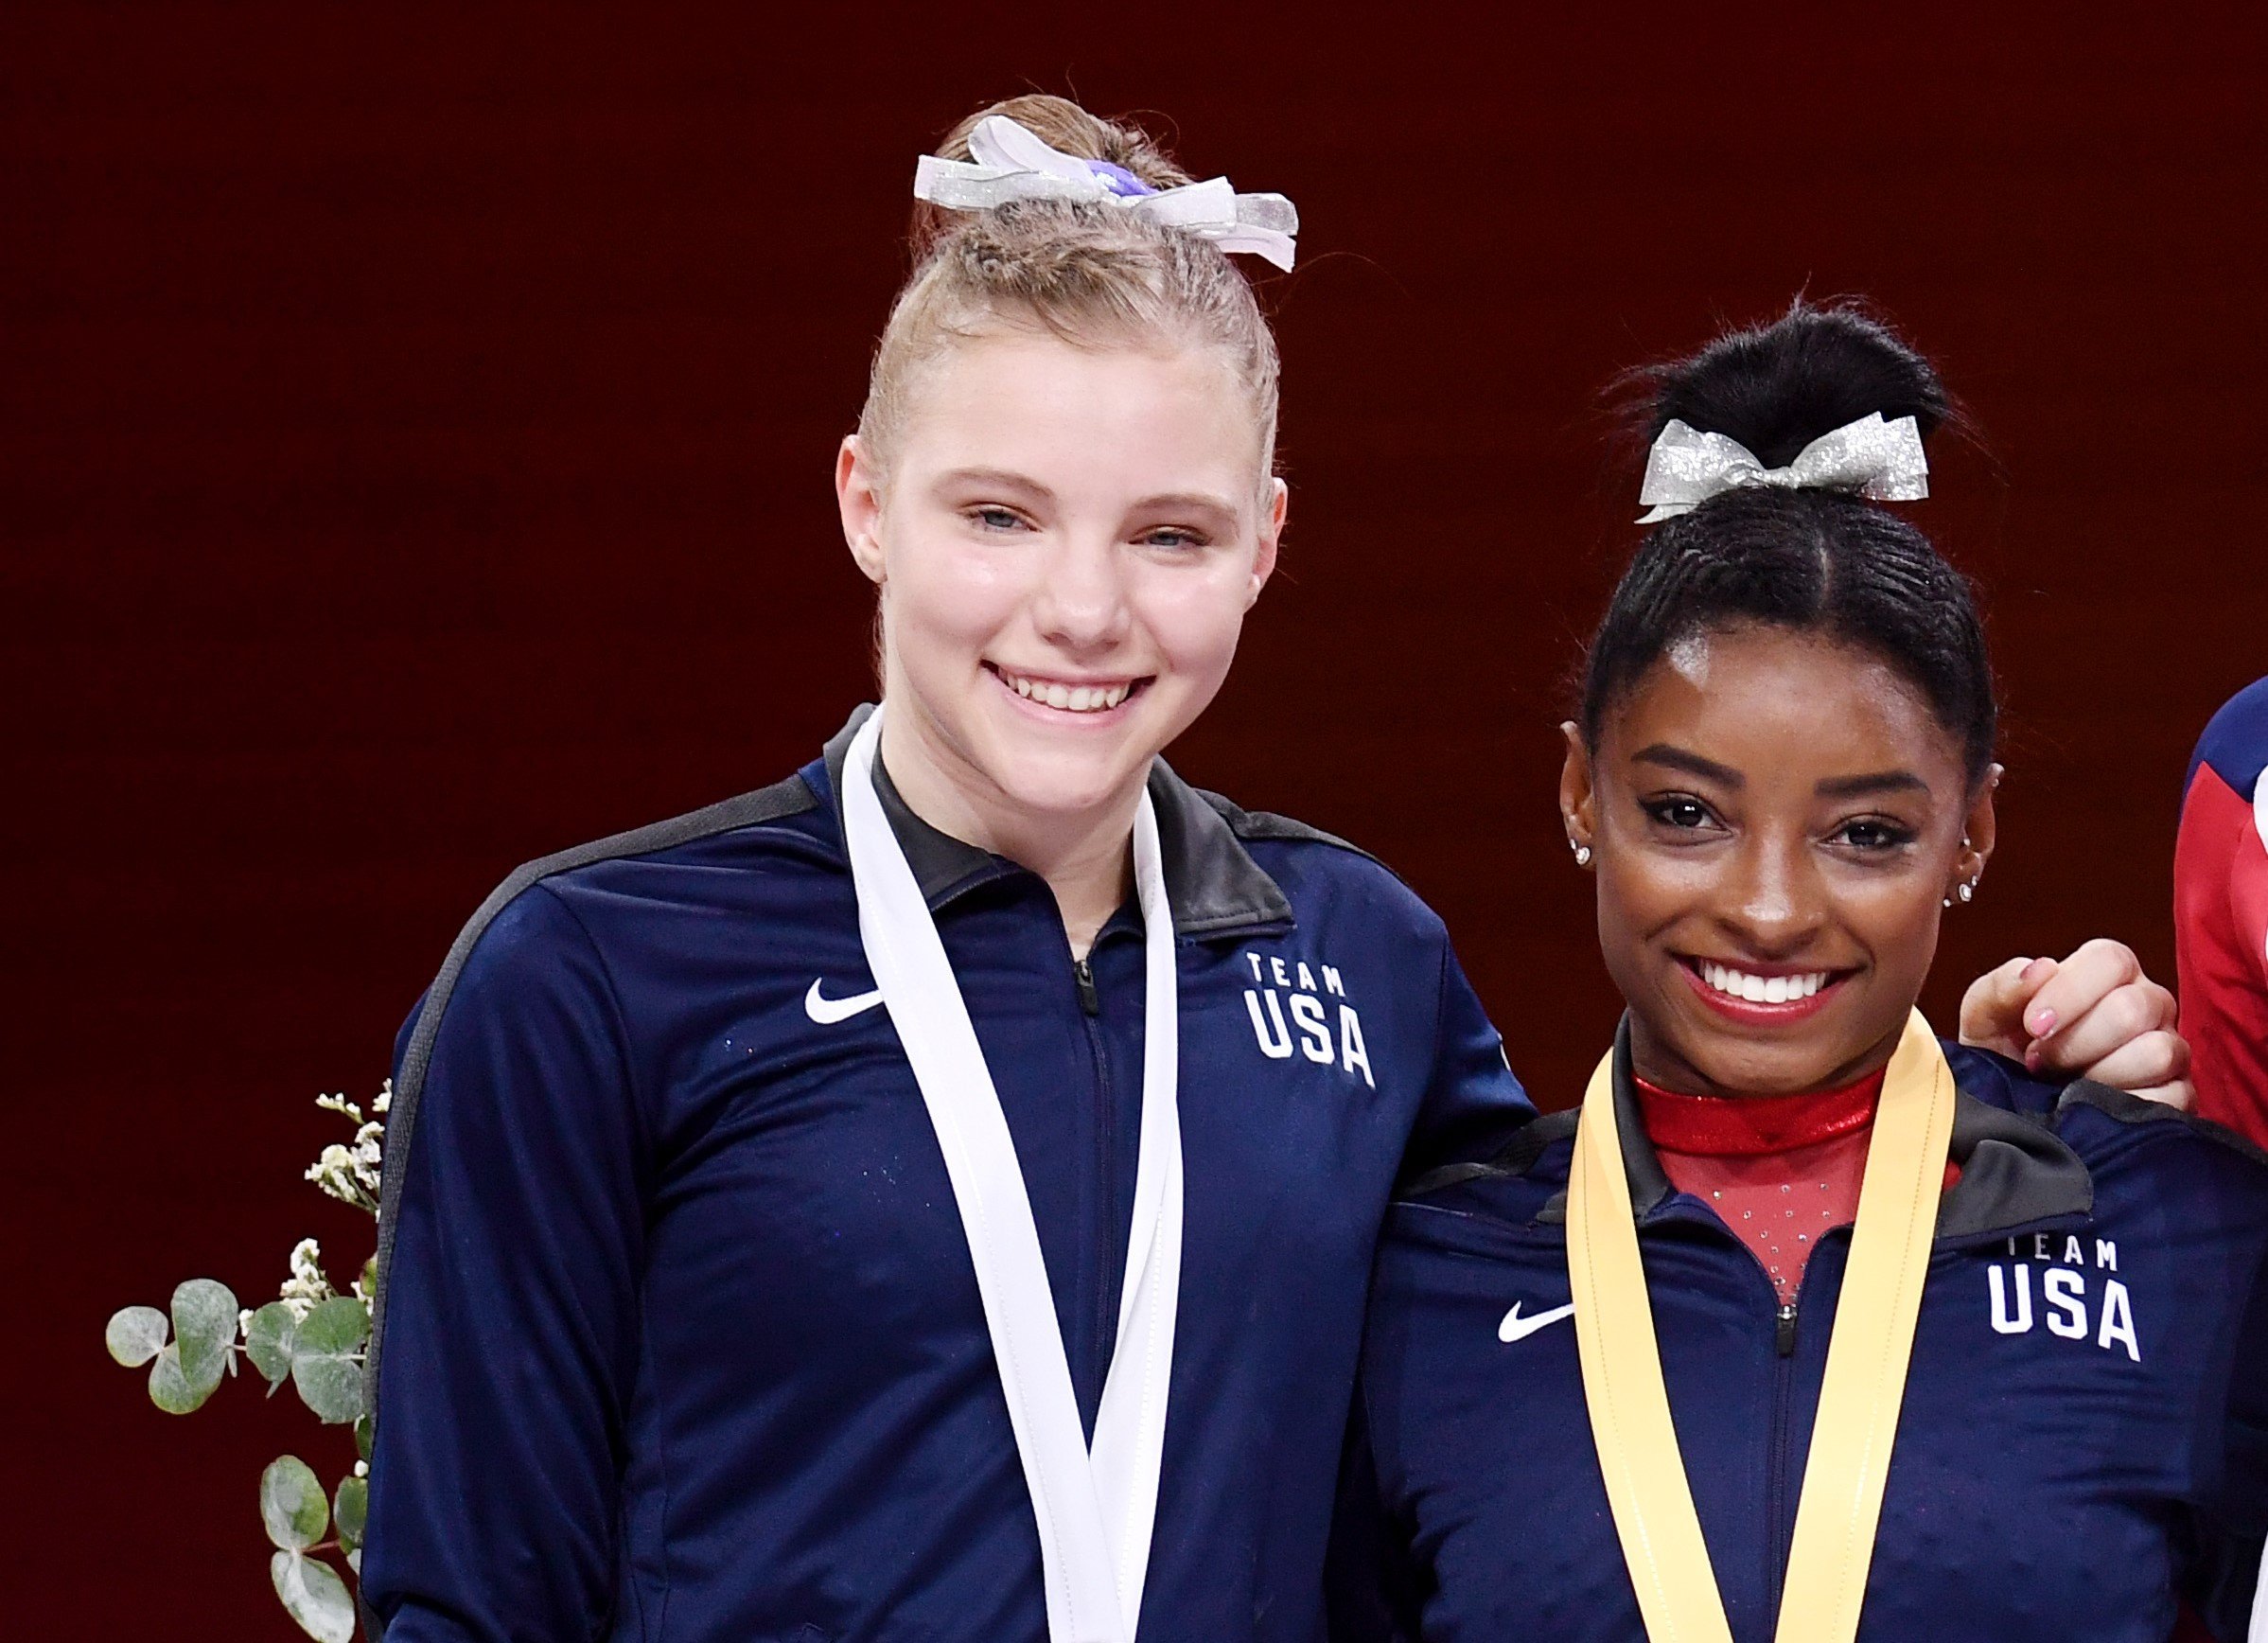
<point x="827" y="1012"/>
<point x="1516" y="1327"/>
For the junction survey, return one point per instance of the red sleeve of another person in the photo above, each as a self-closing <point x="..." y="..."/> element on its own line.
<point x="2221" y="915"/>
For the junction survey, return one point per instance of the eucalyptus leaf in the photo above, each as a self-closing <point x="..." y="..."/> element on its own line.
<point x="350" y="1508"/>
<point x="365" y="1433"/>
<point x="268" y="1342"/>
<point x="314" y="1596"/>
<point x="205" y="1327"/>
<point x="135" y="1334"/>
<point x="178" y="1388"/>
<point x="291" y="1504"/>
<point x="326" y="1366"/>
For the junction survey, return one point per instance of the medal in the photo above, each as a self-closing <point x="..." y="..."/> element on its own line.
<point x="1095" y="1508"/>
<point x="1865" y="1384"/>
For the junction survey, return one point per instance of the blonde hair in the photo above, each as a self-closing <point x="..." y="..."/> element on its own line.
<point x="1091" y="273"/>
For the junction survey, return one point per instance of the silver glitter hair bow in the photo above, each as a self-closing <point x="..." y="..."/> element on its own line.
<point x="1881" y="461"/>
<point x="1008" y="162"/>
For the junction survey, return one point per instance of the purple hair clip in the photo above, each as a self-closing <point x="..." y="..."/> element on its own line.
<point x="1119" y="181"/>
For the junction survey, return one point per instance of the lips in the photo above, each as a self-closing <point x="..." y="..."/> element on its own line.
<point x="1754" y="997"/>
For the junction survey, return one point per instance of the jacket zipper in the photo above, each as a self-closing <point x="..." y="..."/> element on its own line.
<point x="1106" y="1195"/>
<point x="1784" y="1343"/>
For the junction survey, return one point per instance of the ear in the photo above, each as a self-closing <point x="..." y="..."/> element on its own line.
<point x="858" y="499"/>
<point x="1578" y="796"/>
<point x="1272" y="533"/>
<point x="1980" y="830"/>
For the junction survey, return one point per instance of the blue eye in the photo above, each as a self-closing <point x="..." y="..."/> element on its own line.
<point x="1172" y="537"/>
<point x="995" y="519"/>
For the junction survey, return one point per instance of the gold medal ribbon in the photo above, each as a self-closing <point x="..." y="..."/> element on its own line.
<point x="1865" y="1382"/>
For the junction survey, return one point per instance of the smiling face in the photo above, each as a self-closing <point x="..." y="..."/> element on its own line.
<point x="1066" y="542"/>
<point x="1776" y="819"/>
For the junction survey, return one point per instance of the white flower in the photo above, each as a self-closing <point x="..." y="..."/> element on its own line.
<point x="244" y="1324"/>
<point x="385" y="1097"/>
<point x="350" y="1172"/>
<point x="362" y="1469"/>
<point x="307" y="1285"/>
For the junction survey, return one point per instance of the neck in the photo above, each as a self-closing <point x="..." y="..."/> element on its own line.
<point x="1085" y="855"/>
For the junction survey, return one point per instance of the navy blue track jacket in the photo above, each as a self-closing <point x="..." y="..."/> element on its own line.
<point x="679" y="1334"/>
<point x="2085" y="1435"/>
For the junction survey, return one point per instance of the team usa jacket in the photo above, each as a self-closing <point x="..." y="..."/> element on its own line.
<point x="678" y="1334"/>
<point x="2220" y="913"/>
<point x="2082" y="1443"/>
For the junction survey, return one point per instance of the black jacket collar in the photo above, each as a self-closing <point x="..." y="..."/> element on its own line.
<point x="1211" y="879"/>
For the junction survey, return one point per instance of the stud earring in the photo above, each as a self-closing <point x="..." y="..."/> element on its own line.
<point x="1967" y="892"/>
<point x="1582" y="853"/>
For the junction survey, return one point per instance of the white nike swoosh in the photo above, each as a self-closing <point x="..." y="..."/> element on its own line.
<point x="826" y="1011"/>
<point x="1516" y="1327"/>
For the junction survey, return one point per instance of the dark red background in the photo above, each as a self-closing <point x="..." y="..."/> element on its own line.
<point x="417" y="435"/>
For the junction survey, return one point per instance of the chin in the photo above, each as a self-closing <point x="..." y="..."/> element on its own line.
<point x="1052" y="781"/>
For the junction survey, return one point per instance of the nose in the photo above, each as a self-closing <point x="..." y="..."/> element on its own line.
<point x="1081" y="602"/>
<point x="1773" y="905"/>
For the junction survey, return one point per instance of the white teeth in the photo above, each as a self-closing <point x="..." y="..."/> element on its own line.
<point x="1762" y="989"/>
<point x="1069" y="697"/>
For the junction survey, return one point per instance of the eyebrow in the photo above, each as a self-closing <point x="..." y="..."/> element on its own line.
<point x="1832" y="787"/>
<point x="1176" y="501"/>
<point x="1692" y="763"/>
<point x="1863" y="786"/>
<point x="1006" y="479"/>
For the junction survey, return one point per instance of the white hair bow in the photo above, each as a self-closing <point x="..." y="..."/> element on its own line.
<point x="1879" y="460"/>
<point x="1007" y="162"/>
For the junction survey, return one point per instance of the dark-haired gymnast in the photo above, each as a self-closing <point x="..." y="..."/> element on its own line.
<point x="1809" y="1326"/>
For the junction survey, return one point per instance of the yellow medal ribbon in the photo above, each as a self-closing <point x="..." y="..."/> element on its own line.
<point x="1865" y="1384"/>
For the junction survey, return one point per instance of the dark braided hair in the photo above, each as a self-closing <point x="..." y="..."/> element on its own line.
<point x="1820" y="561"/>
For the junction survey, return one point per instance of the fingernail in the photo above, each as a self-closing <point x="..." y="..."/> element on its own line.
<point x="2031" y="1058"/>
<point x="2032" y="971"/>
<point x="2040" y="1023"/>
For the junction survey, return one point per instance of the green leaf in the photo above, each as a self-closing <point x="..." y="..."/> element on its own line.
<point x="204" y="1329"/>
<point x="326" y="1365"/>
<point x="351" y="1507"/>
<point x="134" y="1334"/>
<point x="314" y="1596"/>
<point x="174" y="1387"/>
<point x="365" y="1433"/>
<point x="268" y="1342"/>
<point x="292" y="1503"/>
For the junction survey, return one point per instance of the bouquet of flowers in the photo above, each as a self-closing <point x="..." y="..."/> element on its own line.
<point x="311" y="1335"/>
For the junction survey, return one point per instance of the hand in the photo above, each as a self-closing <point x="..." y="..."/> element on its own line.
<point x="2093" y="1015"/>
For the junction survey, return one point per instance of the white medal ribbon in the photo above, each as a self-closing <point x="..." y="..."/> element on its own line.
<point x="1095" y="1511"/>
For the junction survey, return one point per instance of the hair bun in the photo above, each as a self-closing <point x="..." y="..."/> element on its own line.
<point x="1062" y="125"/>
<point x="1775" y="388"/>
